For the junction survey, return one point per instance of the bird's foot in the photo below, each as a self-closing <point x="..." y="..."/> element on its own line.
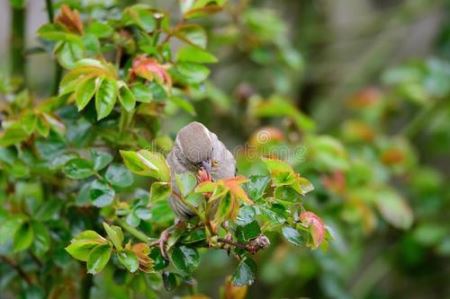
<point x="165" y="236"/>
<point x="162" y="242"/>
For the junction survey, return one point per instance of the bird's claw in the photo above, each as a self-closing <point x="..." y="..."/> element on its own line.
<point x="162" y="242"/>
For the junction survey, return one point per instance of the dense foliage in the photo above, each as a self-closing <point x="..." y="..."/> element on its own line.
<point x="85" y="184"/>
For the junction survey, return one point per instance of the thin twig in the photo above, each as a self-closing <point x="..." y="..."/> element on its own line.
<point x="422" y="118"/>
<point x="35" y="259"/>
<point x="135" y="232"/>
<point x="232" y="243"/>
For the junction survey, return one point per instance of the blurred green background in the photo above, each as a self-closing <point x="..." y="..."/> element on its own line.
<point x="373" y="78"/>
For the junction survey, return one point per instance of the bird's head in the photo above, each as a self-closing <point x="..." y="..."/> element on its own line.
<point x="196" y="145"/>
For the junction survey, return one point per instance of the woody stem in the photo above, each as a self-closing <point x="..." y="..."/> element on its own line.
<point x="58" y="69"/>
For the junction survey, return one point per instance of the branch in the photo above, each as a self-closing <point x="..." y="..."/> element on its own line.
<point x="17" y="48"/>
<point x="252" y="246"/>
<point x="86" y="285"/>
<point x="50" y="11"/>
<point x="17" y="267"/>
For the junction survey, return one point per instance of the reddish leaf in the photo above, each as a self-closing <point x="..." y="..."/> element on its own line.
<point x="70" y="19"/>
<point x="203" y="176"/>
<point x="234" y="185"/>
<point x="142" y="252"/>
<point x="316" y="226"/>
<point x="359" y="131"/>
<point x="150" y="69"/>
<point x="335" y="182"/>
<point x="393" y="156"/>
<point x="231" y="291"/>
<point x="365" y="98"/>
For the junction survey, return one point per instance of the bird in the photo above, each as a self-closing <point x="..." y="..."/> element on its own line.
<point x="200" y="152"/>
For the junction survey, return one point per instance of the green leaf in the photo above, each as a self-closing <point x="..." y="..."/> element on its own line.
<point x="185" y="259"/>
<point x="105" y="97"/>
<point x="277" y="213"/>
<point x="85" y="91"/>
<point x="246" y="215"/>
<point x="78" y="169"/>
<point x="115" y="234"/>
<point x="194" y="54"/>
<point x="183" y="104"/>
<point x="286" y="193"/>
<point x="48" y="209"/>
<point x="70" y="83"/>
<point x="118" y="176"/>
<point x="91" y="44"/>
<point x="293" y="236"/>
<point x="281" y="107"/>
<point x="255" y="186"/>
<point x="101" y="194"/>
<point x="170" y="281"/>
<point x="28" y="123"/>
<point x="196" y="236"/>
<point x="83" y="243"/>
<point x="191" y="73"/>
<point x="276" y="166"/>
<point x="147" y="163"/>
<point x="56" y="32"/>
<point x="83" y="197"/>
<point x="159" y="262"/>
<point x="245" y="273"/>
<point x="42" y="238"/>
<point x="12" y="135"/>
<point x="394" y="209"/>
<point x="225" y="209"/>
<point x="195" y="199"/>
<point x="129" y="260"/>
<point x="100" y="30"/>
<point x="142" y="92"/>
<point x="69" y="52"/>
<point x="101" y="159"/>
<point x="247" y="232"/>
<point x="132" y="219"/>
<point x="98" y="258"/>
<point x="192" y="34"/>
<point x="158" y="91"/>
<point x="23" y="237"/>
<point x="159" y="191"/>
<point x="186" y="183"/>
<point x="143" y="213"/>
<point x="205" y="187"/>
<point x="10" y="224"/>
<point x="140" y="15"/>
<point x="199" y="8"/>
<point x="327" y="153"/>
<point x="127" y="98"/>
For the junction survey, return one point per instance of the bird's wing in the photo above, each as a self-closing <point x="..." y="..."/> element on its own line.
<point x="180" y="209"/>
<point x="225" y="163"/>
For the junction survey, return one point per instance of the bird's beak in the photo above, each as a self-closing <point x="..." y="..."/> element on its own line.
<point x="207" y="166"/>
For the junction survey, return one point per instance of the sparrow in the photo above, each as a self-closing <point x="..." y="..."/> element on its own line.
<point x="200" y="152"/>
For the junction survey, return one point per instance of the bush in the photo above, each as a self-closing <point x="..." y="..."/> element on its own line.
<point x="85" y="183"/>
